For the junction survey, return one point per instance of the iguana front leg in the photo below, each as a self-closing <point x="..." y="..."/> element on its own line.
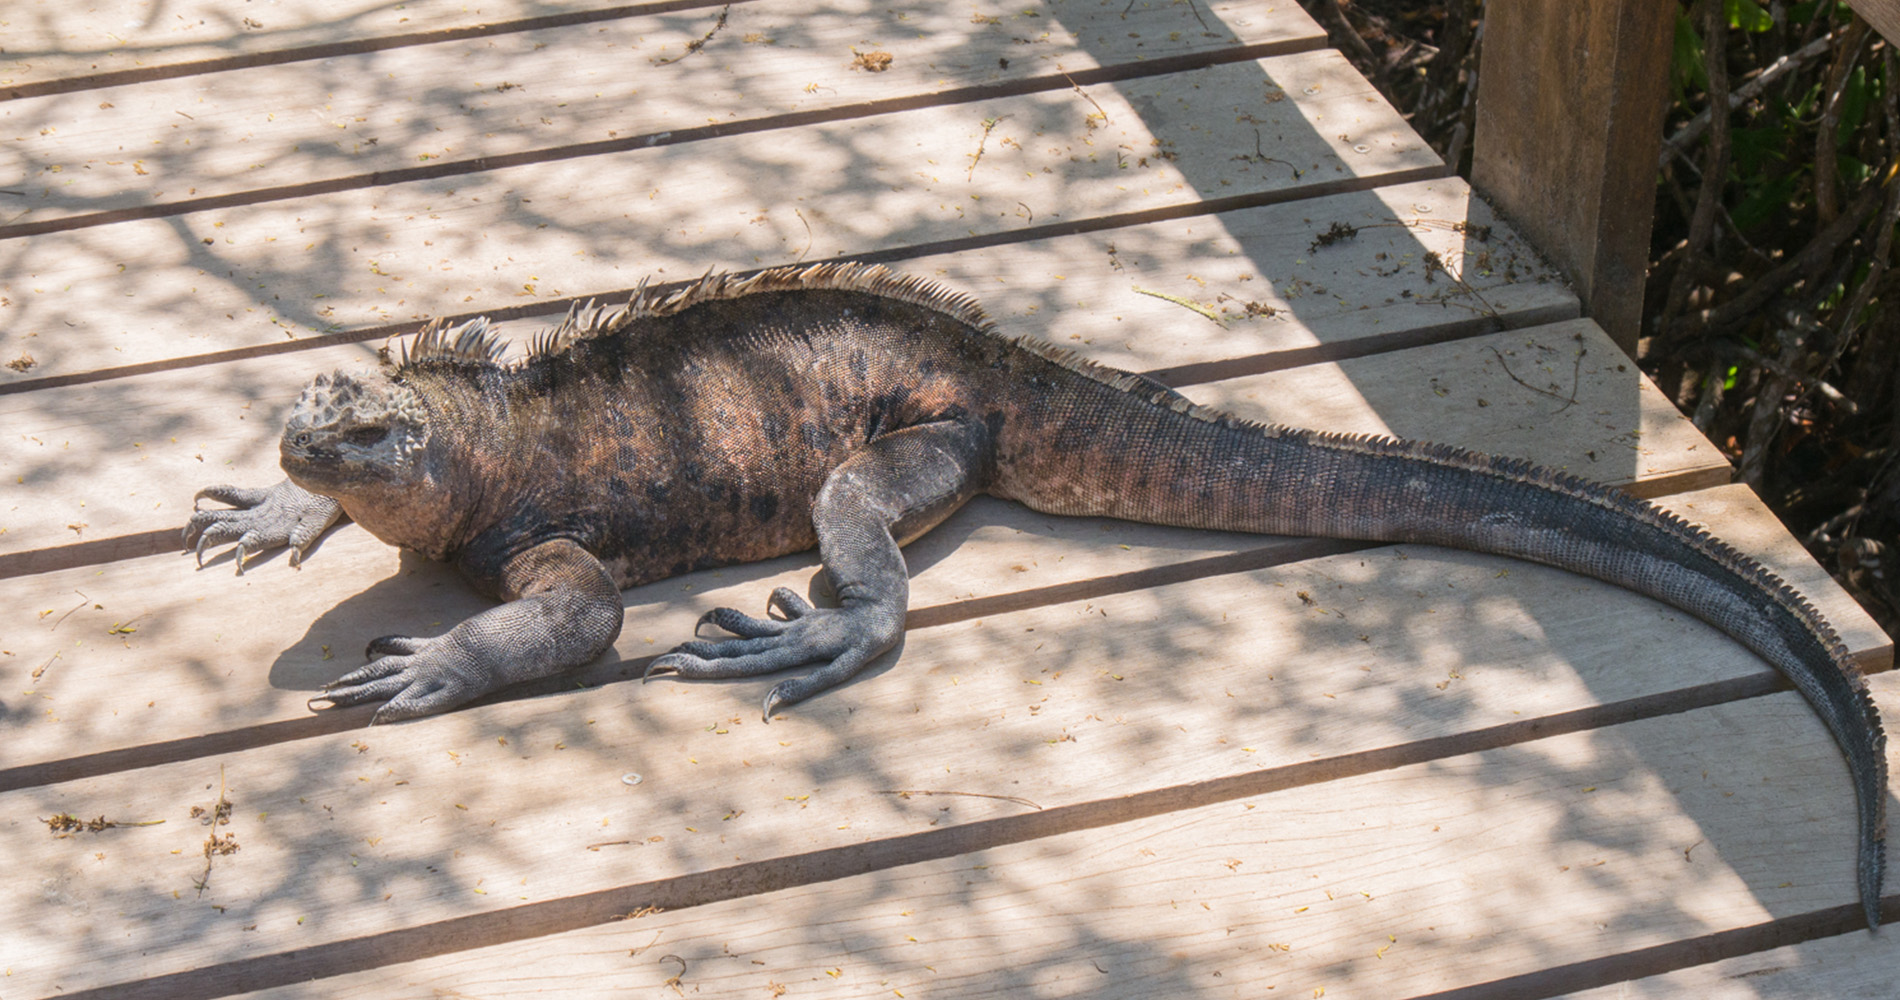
<point x="898" y="487"/>
<point x="260" y="520"/>
<point x="562" y="611"/>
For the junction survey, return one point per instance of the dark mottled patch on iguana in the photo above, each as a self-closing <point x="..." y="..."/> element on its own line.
<point x="843" y="407"/>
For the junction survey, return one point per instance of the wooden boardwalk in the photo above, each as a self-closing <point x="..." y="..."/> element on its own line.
<point x="1112" y="760"/>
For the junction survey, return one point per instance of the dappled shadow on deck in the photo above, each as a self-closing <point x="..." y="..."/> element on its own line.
<point x="353" y="837"/>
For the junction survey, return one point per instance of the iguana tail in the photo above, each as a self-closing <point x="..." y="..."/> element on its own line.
<point x="1147" y="455"/>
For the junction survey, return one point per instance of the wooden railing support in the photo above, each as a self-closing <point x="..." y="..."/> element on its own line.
<point x="1571" y="97"/>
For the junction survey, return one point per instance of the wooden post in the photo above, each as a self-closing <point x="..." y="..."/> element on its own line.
<point x="1884" y="15"/>
<point x="1570" y="105"/>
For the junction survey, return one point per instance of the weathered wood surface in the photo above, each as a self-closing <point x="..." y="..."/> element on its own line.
<point x="1884" y="15"/>
<point x="479" y="103"/>
<point x="111" y="296"/>
<point x="1187" y="690"/>
<point x="287" y="622"/>
<point x="1436" y="876"/>
<point x="1079" y="692"/>
<point x="1569" y="117"/>
<point x="54" y="47"/>
<point x="94" y="462"/>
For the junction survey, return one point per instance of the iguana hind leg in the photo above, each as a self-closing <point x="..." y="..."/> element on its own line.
<point x="898" y="487"/>
<point x="563" y="610"/>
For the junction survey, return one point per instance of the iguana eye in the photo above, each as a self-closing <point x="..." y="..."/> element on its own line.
<point x="301" y="440"/>
<point x="363" y="437"/>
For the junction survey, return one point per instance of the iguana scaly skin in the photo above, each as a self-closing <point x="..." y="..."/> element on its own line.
<point x="843" y="407"/>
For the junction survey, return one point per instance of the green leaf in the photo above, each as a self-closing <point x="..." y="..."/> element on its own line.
<point x="1752" y="150"/>
<point x="1686" y="70"/>
<point x="1747" y="15"/>
<point x="1853" y="169"/>
<point x="1854" y="99"/>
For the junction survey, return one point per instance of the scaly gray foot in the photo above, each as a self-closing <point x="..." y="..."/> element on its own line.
<point x="562" y="610"/>
<point x="260" y="519"/>
<point x="842" y="639"/>
<point x="413" y="676"/>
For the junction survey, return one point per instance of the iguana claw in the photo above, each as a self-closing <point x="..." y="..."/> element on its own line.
<point x="842" y="640"/>
<point x="412" y="676"/>
<point x="259" y="520"/>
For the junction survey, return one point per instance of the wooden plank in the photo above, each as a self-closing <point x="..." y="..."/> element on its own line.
<point x="1524" y="861"/>
<point x="361" y="848"/>
<point x="120" y="457"/>
<point x="476" y="104"/>
<point x="1507" y="393"/>
<point x="1851" y="966"/>
<point x="1570" y="107"/>
<point x="259" y="278"/>
<point x="59" y="48"/>
<point x="1884" y="15"/>
<point x="374" y="591"/>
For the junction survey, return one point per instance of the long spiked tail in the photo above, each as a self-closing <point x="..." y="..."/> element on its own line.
<point x="1186" y="465"/>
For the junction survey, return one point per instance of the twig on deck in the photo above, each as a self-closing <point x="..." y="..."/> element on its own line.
<point x="1260" y="156"/>
<point x="220" y="815"/>
<point x="1084" y="95"/>
<point x="674" y="981"/>
<point x="1435" y="263"/>
<point x="1576" y="377"/>
<point x="66" y="824"/>
<point x="1183" y="303"/>
<point x="809" y="238"/>
<point x="700" y="43"/>
<point x="83" y="601"/>
<point x="989" y="125"/>
<point x="905" y="793"/>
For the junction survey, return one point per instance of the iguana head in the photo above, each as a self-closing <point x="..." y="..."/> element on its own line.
<point x="355" y="437"/>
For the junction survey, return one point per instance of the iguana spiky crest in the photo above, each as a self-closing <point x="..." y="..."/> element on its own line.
<point x="476" y="342"/>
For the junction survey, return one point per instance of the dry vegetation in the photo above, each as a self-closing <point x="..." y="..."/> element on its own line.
<point x="1765" y="316"/>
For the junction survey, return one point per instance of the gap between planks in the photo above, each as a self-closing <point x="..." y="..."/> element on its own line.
<point x="1847" y="966"/>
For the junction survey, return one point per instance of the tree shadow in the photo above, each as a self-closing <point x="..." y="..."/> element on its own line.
<point x="368" y="843"/>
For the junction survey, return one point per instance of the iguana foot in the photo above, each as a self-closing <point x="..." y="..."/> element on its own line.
<point x="562" y="611"/>
<point x="260" y="520"/>
<point x="415" y="676"/>
<point x="842" y="639"/>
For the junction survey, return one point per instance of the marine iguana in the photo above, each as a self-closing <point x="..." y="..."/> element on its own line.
<point x="848" y="408"/>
